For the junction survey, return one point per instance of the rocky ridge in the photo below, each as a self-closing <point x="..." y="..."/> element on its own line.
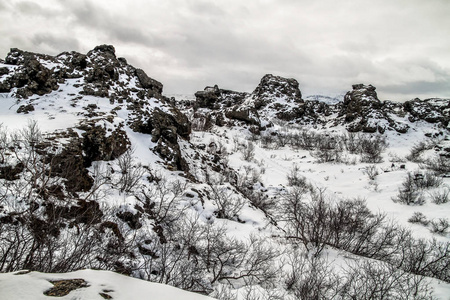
<point x="278" y="99"/>
<point x="99" y="74"/>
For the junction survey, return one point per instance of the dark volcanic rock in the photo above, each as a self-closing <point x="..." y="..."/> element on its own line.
<point x="31" y="77"/>
<point x="360" y="102"/>
<point x="165" y="129"/>
<point x="149" y="83"/>
<point x="97" y="145"/>
<point x="363" y="111"/>
<point x="275" y="94"/>
<point x="4" y="71"/>
<point x="216" y="98"/>
<point x="272" y="87"/>
<point x="429" y="110"/>
<point x="208" y="98"/>
<point x="219" y="106"/>
<point x="25" y="109"/>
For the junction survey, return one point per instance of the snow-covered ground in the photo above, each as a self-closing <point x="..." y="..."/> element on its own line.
<point x="31" y="286"/>
<point x="222" y="161"/>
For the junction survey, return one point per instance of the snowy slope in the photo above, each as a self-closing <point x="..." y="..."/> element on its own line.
<point x="31" y="286"/>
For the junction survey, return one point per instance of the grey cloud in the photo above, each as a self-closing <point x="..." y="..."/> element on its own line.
<point x="188" y="44"/>
<point x="113" y="26"/>
<point x="433" y="89"/>
<point x="34" y="9"/>
<point x="28" y="7"/>
<point x="206" y="8"/>
<point x="61" y="43"/>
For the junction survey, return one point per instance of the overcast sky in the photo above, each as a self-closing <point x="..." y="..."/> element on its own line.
<point x="400" y="46"/>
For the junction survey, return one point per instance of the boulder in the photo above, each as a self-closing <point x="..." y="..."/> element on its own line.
<point x="246" y="114"/>
<point x="208" y="98"/>
<point x="149" y="83"/>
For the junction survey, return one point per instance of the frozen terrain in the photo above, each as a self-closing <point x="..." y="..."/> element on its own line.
<point x="261" y="195"/>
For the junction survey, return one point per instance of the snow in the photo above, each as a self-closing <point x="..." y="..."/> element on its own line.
<point x="63" y="109"/>
<point x="31" y="286"/>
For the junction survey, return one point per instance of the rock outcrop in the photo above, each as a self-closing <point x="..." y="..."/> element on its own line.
<point x="99" y="73"/>
<point x="278" y="98"/>
<point x="272" y="88"/>
<point x="29" y="76"/>
<point x="363" y="111"/>
<point x="275" y="96"/>
<point x="430" y="110"/>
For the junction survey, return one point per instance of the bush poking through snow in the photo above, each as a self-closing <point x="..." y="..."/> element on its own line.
<point x="328" y="149"/>
<point x="417" y="150"/>
<point x="352" y="142"/>
<point x="295" y="179"/>
<point x="410" y="193"/>
<point x="248" y="151"/>
<point x="440" y="165"/>
<point x="371" y="171"/>
<point x="372" y="147"/>
<point x="310" y="277"/>
<point x="440" y="196"/>
<point x="420" y="218"/>
<point x="130" y="172"/>
<point x="426" y="180"/>
<point x="228" y="203"/>
<point x="374" y="280"/>
<point x="440" y="226"/>
<point x="313" y="278"/>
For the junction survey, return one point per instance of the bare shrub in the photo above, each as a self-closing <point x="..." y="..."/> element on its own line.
<point x="313" y="278"/>
<point x="371" y="171"/>
<point x="267" y="139"/>
<point x="129" y="172"/>
<point x="426" y="180"/>
<point x="440" y="165"/>
<point x="308" y="139"/>
<point x="420" y="218"/>
<point x="372" y="147"/>
<point x="248" y="152"/>
<point x="310" y="277"/>
<point x="352" y="142"/>
<point x="195" y="256"/>
<point x="422" y="257"/>
<point x="328" y="148"/>
<point x="441" y="196"/>
<point x="307" y="222"/>
<point x="417" y="150"/>
<point x="4" y="143"/>
<point x="229" y="204"/>
<point x="440" y="226"/>
<point x="295" y="179"/>
<point x="161" y="200"/>
<point x="282" y="138"/>
<point x="409" y="194"/>
<point x="374" y="280"/>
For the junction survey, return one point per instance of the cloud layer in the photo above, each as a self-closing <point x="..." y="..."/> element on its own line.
<point x="401" y="46"/>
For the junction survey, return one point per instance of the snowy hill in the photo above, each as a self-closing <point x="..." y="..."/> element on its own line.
<point x="86" y="284"/>
<point x="230" y="194"/>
